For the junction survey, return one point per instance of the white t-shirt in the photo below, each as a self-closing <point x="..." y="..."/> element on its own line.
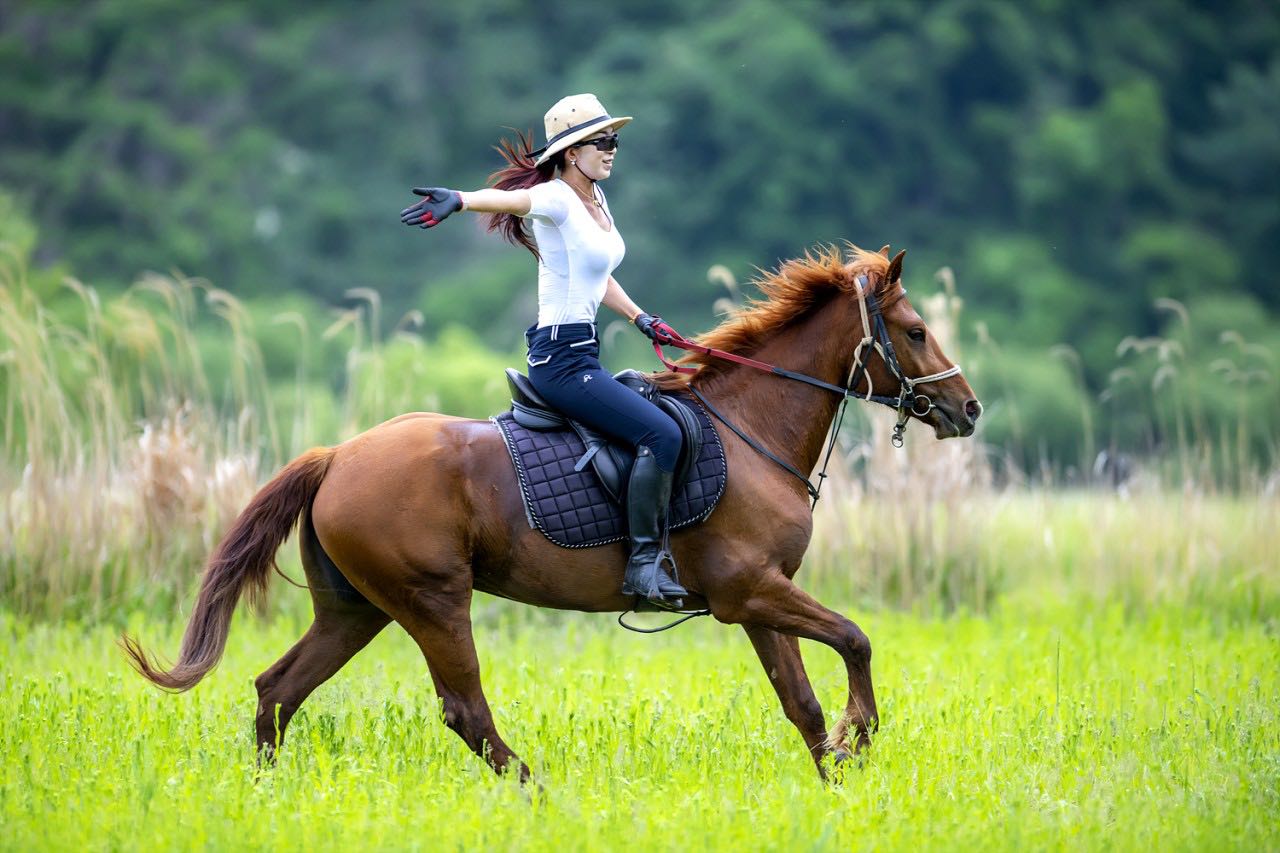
<point x="578" y="256"/>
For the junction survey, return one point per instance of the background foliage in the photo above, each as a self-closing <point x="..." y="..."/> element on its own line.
<point x="1073" y="163"/>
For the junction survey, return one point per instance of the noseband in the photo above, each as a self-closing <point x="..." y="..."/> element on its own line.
<point x="875" y="338"/>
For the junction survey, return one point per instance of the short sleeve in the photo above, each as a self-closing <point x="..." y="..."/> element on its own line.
<point x="547" y="202"/>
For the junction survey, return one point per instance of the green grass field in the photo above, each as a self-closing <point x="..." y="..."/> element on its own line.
<point x="1055" y="669"/>
<point x="1036" y="726"/>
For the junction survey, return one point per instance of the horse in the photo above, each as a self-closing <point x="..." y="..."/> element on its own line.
<point x="402" y="522"/>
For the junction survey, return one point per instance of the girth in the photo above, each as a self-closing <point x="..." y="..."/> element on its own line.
<point x="612" y="461"/>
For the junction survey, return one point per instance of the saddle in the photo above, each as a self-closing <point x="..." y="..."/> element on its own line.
<point x="573" y="479"/>
<point x="611" y="461"/>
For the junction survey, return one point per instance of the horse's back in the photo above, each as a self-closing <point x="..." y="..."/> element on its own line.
<point x="406" y="492"/>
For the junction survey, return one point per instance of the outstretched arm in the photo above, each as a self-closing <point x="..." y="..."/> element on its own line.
<point x="438" y="203"/>
<point x="497" y="201"/>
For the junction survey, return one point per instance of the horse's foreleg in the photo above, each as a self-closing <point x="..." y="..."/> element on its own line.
<point x="780" y="656"/>
<point x="778" y="604"/>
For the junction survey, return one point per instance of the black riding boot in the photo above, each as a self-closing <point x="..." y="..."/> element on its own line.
<point x="648" y="494"/>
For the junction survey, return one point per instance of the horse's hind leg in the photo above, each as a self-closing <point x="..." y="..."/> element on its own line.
<point x="332" y="640"/>
<point x="440" y="623"/>
<point x="344" y="624"/>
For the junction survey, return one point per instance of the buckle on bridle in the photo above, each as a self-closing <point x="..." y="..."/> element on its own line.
<point x="928" y="405"/>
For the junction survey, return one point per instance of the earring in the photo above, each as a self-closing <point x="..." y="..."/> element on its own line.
<point x="573" y="162"/>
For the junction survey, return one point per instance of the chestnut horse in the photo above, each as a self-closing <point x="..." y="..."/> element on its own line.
<point x="403" y="521"/>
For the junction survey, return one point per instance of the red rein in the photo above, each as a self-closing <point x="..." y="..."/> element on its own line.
<point x="675" y="339"/>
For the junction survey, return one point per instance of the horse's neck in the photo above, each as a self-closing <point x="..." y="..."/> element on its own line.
<point x="788" y="417"/>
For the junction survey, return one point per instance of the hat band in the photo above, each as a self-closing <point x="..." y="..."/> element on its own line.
<point x="562" y="134"/>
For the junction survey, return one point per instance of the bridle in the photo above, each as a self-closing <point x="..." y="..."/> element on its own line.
<point x="907" y="402"/>
<point x="875" y="338"/>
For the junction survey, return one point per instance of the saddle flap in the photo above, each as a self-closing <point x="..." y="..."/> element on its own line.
<point x="690" y="429"/>
<point x="612" y="466"/>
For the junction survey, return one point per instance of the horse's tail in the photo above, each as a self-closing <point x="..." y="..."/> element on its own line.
<point x="243" y="558"/>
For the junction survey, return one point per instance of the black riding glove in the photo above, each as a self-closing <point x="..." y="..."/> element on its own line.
<point x="434" y="208"/>
<point x="654" y="329"/>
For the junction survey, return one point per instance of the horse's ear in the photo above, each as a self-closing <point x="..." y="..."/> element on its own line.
<point x="895" y="268"/>
<point x="884" y="250"/>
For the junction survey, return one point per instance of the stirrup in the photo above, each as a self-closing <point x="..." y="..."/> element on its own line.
<point x="654" y="594"/>
<point x="671" y="579"/>
<point x="657" y="602"/>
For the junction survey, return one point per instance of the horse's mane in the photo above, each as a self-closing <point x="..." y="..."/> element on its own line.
<point x="789" y="293"/>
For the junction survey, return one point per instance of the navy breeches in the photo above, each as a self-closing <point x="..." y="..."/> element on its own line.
<point x="564" y="367"/>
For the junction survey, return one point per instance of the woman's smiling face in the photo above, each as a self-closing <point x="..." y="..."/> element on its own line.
<point x="594" y="163"/>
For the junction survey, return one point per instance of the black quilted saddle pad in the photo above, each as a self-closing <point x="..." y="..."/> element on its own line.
<point x="572" y="509"/>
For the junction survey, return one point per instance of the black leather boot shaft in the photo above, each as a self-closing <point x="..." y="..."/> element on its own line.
<point x="648" y="495"/>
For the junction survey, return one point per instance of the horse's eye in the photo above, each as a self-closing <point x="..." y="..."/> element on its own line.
<point x="916" y="335"/>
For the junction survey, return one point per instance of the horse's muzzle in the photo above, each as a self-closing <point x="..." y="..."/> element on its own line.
<point x="950" y="421"/>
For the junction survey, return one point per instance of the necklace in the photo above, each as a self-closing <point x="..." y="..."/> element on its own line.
<point x="591" y="198"/>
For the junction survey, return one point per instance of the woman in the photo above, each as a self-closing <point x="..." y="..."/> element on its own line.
<point x="578" y="247"/>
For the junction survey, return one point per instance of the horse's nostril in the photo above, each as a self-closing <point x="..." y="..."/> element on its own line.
<point x="973" y="409"/>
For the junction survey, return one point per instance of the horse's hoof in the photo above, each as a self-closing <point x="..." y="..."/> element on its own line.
<point x="840" y="763"/>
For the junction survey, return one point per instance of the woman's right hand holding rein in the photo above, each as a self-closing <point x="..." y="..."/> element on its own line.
<point x="438" y="203"/>
<point x="656" y="329"/>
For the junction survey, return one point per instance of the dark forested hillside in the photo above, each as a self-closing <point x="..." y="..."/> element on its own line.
<point x="1072" y="162"/>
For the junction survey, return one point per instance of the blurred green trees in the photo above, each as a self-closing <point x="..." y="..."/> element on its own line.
<point x="1074" y="163"/>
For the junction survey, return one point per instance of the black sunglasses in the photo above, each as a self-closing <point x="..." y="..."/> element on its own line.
<point x="602" y="143"/>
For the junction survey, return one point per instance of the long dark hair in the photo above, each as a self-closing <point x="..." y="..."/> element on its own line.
<point x="520" y="174"/>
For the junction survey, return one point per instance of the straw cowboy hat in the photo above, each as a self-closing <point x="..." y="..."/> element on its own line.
<point x="572" y="119"/>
